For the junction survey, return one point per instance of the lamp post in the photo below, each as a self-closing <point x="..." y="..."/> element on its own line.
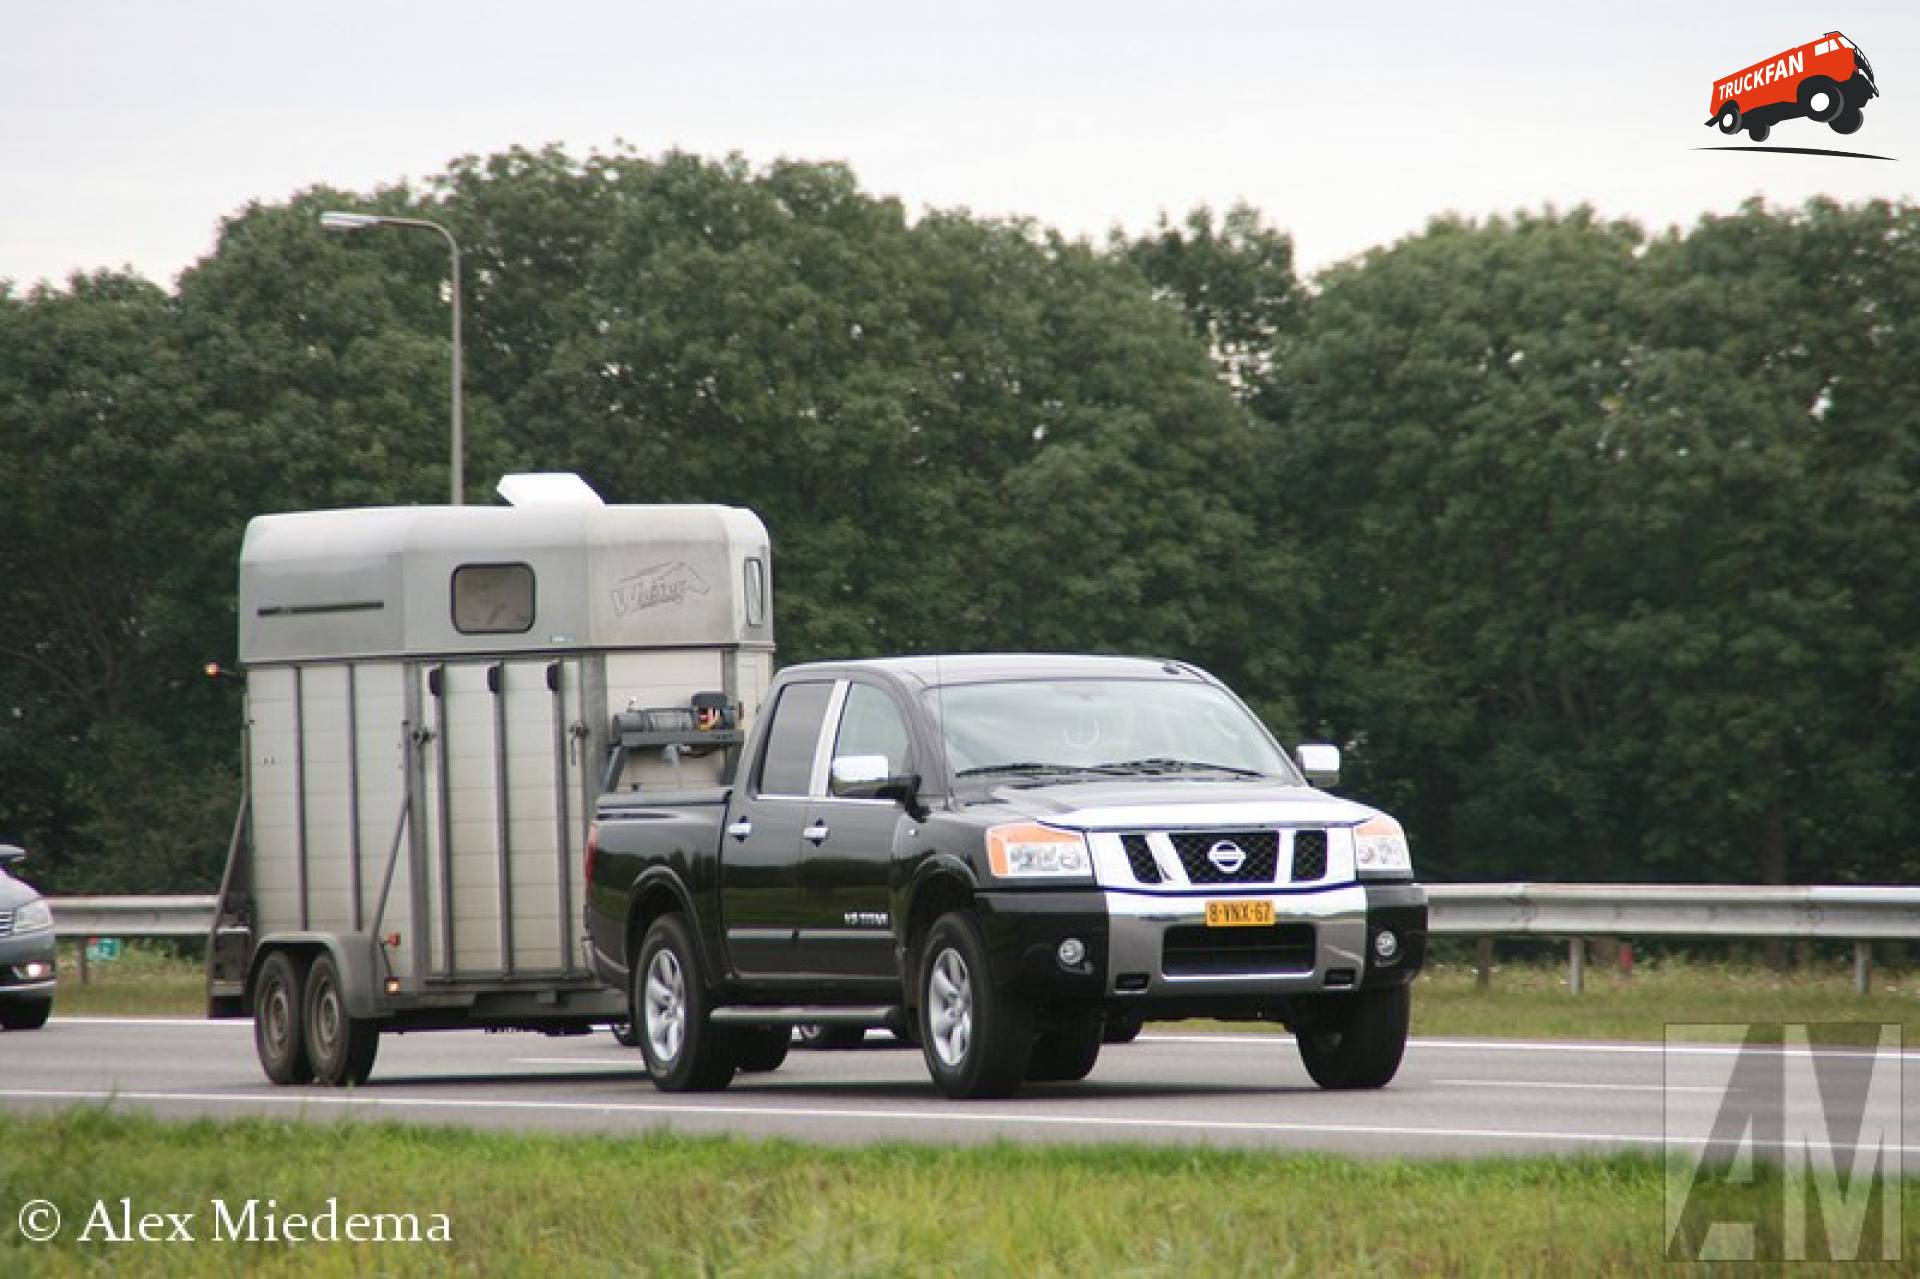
<point x="336" y="221"/>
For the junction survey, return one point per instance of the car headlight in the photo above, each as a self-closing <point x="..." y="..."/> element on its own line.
<point x="33" y="917"/>
<point x="1380" y="848"/>
<point x="1027" y="850"/>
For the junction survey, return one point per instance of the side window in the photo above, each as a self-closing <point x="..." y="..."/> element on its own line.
<point x="754" y="584"/>
<point x="786" y="768"/>
<point x="871" y="725"/>
<point x="493" y="599"/>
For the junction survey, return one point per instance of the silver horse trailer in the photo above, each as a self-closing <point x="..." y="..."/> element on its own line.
<point x="435" y="696"/>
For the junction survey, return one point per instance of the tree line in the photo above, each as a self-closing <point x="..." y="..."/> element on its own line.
<point x="1595" y="550"/>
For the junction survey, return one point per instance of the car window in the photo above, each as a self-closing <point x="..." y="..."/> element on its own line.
<point x="786" y="768"/>
<point x="872" y="725"/>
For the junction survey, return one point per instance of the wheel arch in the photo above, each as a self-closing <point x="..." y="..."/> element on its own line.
<point x="657" y="892"/>
<point x="353" y="955"/>
<point x="943" y="884"/>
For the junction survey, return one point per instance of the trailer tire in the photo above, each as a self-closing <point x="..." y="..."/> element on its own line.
<point x="279" y="1031"/>
<point x="1729" y="119"/>
<point x="1848" y="121"/>
<point x="340" y="1047"/>
<point x="977" y="1039"/>
<point x="1353" y="1041"/>
<point x="1068" y="1051"/>
<point x="1815" y="86"/>
<point x="762" y="1048"/>
<point x="685" y="1052"/>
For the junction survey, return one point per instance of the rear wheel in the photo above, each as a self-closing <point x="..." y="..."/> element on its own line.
<point x="762" y="1048"/>
<point x="279" y="1037"/>
<point x="624" y="1034"/>
<point x="1758" y="132"/>
<point x="977" y="1039"/>
<point x="25" y="1014"/>
<point x="340" y="1047"/>
<point x="1068" y="1051"/>
<point x="684" y="1051"/>
<point x="1729" y="119"/>
<point x="1353" y="1041"/>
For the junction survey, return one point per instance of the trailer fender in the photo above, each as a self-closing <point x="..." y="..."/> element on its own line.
<point x="356" y="954"/>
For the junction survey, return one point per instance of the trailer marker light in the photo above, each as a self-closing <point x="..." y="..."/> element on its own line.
<point x="393" y="985"/>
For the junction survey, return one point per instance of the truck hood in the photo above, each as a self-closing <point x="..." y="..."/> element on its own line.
<point x="1158" y="805"/>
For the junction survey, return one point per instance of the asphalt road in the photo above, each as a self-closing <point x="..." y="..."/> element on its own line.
<point x="1452" y="1097"/>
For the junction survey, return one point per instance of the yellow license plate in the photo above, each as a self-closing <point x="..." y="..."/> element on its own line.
<point x="1241" y="914"/>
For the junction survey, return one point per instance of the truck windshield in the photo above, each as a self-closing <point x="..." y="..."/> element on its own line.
<point x="1117" y="727"/>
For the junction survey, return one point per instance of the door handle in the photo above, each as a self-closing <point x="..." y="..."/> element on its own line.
<point x="740" y="829"/>
<point x="817" y="833"/>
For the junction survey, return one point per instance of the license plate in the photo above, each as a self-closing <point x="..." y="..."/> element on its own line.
<point x="1239" y="914"/>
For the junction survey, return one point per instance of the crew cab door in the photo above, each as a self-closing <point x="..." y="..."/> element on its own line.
<point x="760" y="898"/>
<point x="847" y="845"/>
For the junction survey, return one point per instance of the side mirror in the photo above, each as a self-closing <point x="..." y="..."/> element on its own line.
<point x="866" y="777"/>
<point x="1320" y="762"/>
<point x="11" y="853"/>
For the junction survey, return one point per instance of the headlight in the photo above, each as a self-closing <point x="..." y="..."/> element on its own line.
<point x="33" y="917"/>
<point x="1025" y="850"/>
<point x="1380" y="848"/>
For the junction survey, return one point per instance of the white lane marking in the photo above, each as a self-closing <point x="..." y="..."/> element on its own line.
<point x="1522" y="1045"/>
<point x="598" y="1063"/>
<point x="243" y="1023"/>
<point x="961" y="1116"/>
<point x="1561" y="1087"/>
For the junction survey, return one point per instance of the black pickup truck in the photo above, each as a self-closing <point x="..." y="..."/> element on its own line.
<point x="1000" y="855"/>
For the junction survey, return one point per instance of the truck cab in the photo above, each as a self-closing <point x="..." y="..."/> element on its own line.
<point x="1006" y="856"/>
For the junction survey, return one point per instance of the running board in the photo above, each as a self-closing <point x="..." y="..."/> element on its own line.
<point x="796" y="1014"/>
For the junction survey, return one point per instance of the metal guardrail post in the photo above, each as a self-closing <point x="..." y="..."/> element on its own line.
<point x="1577" y="965"/>
<point x="1862" y="967"/>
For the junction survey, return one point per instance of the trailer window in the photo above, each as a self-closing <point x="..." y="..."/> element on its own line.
<point x="756" y="591"/>
<point x="493" y="599"/>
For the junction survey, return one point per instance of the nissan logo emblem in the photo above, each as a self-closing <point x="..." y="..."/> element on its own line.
<point x="1227" y="856"/>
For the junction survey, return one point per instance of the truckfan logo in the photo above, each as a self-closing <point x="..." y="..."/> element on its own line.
<point x="668" y="583"/>
<point x="1227" y="856"/>
<point x="1828" y="81"/>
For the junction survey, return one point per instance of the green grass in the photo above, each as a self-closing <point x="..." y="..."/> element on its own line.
<point x="668" y="1205"/>
<point x="147" y="980"/>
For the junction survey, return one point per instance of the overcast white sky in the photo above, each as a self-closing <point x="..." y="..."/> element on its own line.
<point x="129" y="128"/>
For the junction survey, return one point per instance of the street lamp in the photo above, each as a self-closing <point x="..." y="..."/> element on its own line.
<point x="337" y="221"/>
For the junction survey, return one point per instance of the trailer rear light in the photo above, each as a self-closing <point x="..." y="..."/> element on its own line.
<point x="593" y="848"/>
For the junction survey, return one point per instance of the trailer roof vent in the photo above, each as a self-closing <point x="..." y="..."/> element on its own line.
<point x="547" y="488"/>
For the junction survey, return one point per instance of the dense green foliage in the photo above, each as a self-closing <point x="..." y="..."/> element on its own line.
<point x="1597" y="553"/>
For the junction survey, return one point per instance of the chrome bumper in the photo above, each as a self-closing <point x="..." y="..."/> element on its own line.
<point x="1138" y="924"/>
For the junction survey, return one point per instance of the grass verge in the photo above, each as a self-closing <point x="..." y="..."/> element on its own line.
<point x="146" y="980"/>
<point x="663" y="1204"/>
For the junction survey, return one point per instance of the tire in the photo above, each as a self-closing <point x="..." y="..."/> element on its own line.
<point x="1848" y="121"/>
<point x="624" y="1034"/>
<point x="761" y="1048"/>
<point x="1729" y="119"/>
<point x="340" y="1047"/>
<point x="684" y="1052"/>
<point x="830" y="1038"/>
<point x="1123" y="1028"/>
<point x="976" y="1038"/>
<point x="279" y="1024"/>
<point x="25" y="1014"/>
<point x="1353" y="1041"/>
<point x="1758" y="132"/>
<point x="1068" y="1051"/>
<point x="1821" y="86"/>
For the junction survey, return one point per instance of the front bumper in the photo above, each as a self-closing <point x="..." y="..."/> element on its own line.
<point x="1155" y="948"/>
<point x="16" y="955"/>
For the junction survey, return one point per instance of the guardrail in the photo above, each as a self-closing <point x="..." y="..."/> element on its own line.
<point x="1859" y="914"/>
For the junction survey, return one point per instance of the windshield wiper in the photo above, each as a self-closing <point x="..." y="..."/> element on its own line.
<point x="1025" y="767"/>
<point x="1165" y="764"/>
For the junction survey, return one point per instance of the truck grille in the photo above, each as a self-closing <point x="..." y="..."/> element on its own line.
<point x="1198" y="951"/>
<point x="1309" y="855"/>
<point x="6" y="923"/>
<point x="1140" y="858"/>
<point x="1261" y="847"/>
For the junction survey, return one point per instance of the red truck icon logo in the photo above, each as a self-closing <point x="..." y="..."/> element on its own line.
<point x="1828" y="80"/>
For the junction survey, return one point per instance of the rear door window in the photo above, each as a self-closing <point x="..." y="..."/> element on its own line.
<point x="786" y="767"/>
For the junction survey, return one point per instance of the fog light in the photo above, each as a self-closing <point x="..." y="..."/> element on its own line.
<point x="1072" y="952"/>
<point x="34" y="971"/>
<point x="1386" y="947"/>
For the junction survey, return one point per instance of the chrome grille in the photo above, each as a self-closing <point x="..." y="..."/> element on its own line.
<point x="6" y="923"/>
<point x="1192" y="951"/>
<point x="1262" y="849"/>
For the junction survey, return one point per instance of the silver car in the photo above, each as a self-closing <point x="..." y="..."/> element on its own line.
<point x="26" y="949"/>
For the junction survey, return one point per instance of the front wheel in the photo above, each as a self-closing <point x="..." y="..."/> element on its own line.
<point x="340" y="1047"/>
<point x="1353" y="1041"/>
<point x="1123" y="1028"/>
<point x="684" y="1051"/>
<point x="977" y="1039"/>
<point x="279" y="1037"/>
<point x="1821" y="98"/>
<point x="1068" y="1051"/>
<point x="25" y="1014"/>
<point x="1848" y="121"/>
